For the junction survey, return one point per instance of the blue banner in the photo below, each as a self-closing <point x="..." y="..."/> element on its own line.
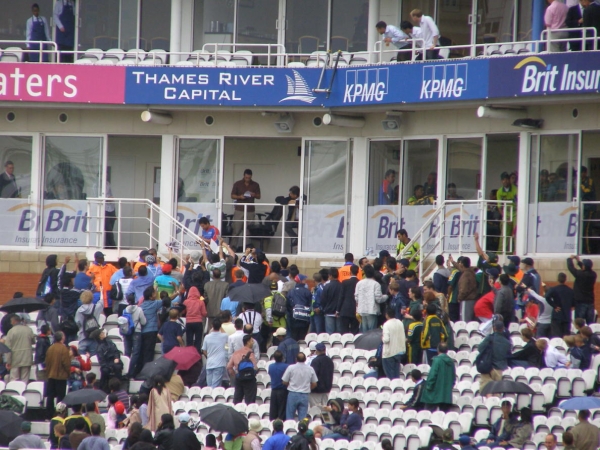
<point x="353" y="86"/>
<point x="546" y="74"/>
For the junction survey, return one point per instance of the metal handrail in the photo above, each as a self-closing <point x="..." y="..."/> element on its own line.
<point x="439" y="235"/>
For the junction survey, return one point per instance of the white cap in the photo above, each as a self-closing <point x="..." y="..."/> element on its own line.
<point x="312" y="346"/>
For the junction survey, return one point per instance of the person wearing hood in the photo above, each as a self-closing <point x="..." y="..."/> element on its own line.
<point x="49" y="279"/>
<point x="335" y="408"/>
<point x="299" y="301"/>
<point x="195" y="313"/>
<point x="133" y="342"/>
<point x="49" y="316"/>
<point x="440" y="381"/>
<point x="109" y="358"/>
<point x="583" y="288"/>
<point x="101" y="272"/>
<point x="87" y="307"/>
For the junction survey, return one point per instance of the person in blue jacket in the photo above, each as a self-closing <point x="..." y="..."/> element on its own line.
<point x="350" y="422"/>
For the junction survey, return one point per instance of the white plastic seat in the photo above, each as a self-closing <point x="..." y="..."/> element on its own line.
<point x="242" y="58"/>
<point x="34" y="394"/>
<point x="85" y="62"/>
<point x="94" y="54"/>
<point x="115" y="54"/>
<point x="16" y="387"/>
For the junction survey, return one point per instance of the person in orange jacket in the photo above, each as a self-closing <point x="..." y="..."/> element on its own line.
<point x="101" y="273"/>
<point x="344" y="271"/>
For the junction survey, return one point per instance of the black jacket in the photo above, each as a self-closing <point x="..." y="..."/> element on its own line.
<point x="572" y="21"/>
<point x="185" y="439"/>
<point x="107" y="352"/>
<point x="347" y="303"/>
<point x="190" y="280"/>
<point x="323" y="366"/>
<point x="415" y="400"/>
<point x="332" y="292"/>
<point x="41" y="347"/>
<point x="529" y="353"/>
<point x="164" y="439"/>
<point x="591" y="16"/>
<point x="583" y="286"/>
<point x="500" y="347"/>
<point x="68" y="302"/>
<point x="560" y="296"/>
<point x="298" y="442"/>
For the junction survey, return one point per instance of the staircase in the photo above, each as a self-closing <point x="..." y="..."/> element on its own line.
<point x="450" y="231"/>
<point x="139" y="224"/>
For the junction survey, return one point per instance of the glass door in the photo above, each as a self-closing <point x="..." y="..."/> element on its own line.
<point x="326" y="189"/>
<point x="495" y="21"/>
<point x="553" y="202"/>
<point x="198" y="188"/>
<point x="456" y="20"/>
<point x="257" y="24"/>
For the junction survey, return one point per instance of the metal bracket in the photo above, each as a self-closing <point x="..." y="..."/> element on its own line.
<point x="335" y="67"/>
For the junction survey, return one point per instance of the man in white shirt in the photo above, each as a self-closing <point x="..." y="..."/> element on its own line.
<point x="394" y="344"/>
<point x="393" y="35"/>
<point x="300" y="379"/>
<point x="429" y="32"/>
<point x="235" y="341"/>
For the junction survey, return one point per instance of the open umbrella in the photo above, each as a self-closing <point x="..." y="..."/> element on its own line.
<point x="250" y="293"/>
<point x="24" y="304"/>
<point x="185" y="357"/>
<point x="579" y="403"/>
<point x="4" y="348"/>
<point x="161" y="366"/>
<point x="370" y="340"/>
<point x="224" y="418"/>
<point x="506" y="387"/>
<point x="10" y="427"/>
<point x="84" y="396"/>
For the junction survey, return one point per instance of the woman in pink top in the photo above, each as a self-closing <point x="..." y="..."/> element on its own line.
<point x="195" y="314"/>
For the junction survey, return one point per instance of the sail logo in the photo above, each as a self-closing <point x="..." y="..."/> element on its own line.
<point x="297" y="89"/>
<point x="366" y="85"/>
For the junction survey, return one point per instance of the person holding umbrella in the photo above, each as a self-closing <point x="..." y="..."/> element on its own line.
<point x="20" y="340"/>
<point x="183" y="437"/>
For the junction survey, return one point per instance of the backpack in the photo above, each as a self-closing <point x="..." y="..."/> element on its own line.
<point x="68" y="326"/>
<point x="116" y="292"/>
<point x="90" y="323"/>
<point x="483" y="362"/>
<point x="279" y="305"/>
<point x="246" y="371"/>
<point x="126" y="324"/>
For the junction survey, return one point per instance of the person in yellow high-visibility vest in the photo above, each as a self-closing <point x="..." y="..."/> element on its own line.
<point x="413" y="248"/>
<point x="508" y="192"/>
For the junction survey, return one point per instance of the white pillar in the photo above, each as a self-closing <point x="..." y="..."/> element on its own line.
<point x="360" y="183"/>
<point x="175" y="29"/>
<point x="37" y="169"/>
<point x="168" y="169"/>
<point x="523" y="203"/>
<point x="372" y="34"/>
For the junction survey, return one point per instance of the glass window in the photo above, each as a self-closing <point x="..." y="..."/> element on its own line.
<point x="129" y="25"/>
<point x="588" y="192"/>
<point x="384" y="161"/>
<point x="213" y="22"/>
<point x="99" y="24"/>
<point x="557" y="217"/>
<point x="156" y="25"/>
<point x="72" y="168"/>
<point x="464" y="168"/>
<point x="349" y="25"/>
<point x="13" y="20"/>
<point x="306" y="26"/>
<point x="427" y="6"/>
<point x="256" y="22"/>
<point x="495" y="21"/>
<point x="524" y="20"/>
<point x="15" y="186"/>
<point x="453" y="20"/>
<point x="325" y="173"/>
<point x="420" y="172"/>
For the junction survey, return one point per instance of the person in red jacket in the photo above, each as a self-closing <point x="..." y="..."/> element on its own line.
<point x="195" y="313"/>
<point x="484" y="308"/>
<point x="79" y="365"/>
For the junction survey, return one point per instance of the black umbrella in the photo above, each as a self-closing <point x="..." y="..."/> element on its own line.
<point x="506" y="387"/>
<point x="10" y="427"/>
<point x="24" y="305"/>
<point x="84" y="396"/>
<point x="4" y="348"/>
<point x="161" y="366"/>
<point x="224" y="418"/>
<point x="370" y="340"/>
<point x="250" y="293"/>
